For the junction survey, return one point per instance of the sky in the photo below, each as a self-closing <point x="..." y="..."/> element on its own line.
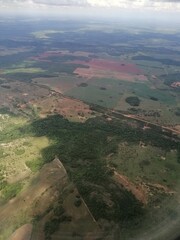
<point x="121" y="4"/>
<point x="96" y="7"/>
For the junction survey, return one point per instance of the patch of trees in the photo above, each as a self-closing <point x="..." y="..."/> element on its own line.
<point x="7" y="86"/>
<point x="178" y="155"/>
<point x="6" y="110"/>
<point x="103" y="88"/>
<point x="177" y="112"/>
<point x="124" y="206"/>
<point x="83" y="85"/>
<point x="153" y="98"/>
<point x="77" y="202"/>
<point x="27" y="77"/>
<point x="8" y="60"/>
<point x="3" y="182"/>
<point x="170" y="78"/>
<point x="57" y="67"/>
<point x="161" y="60"/>
<point x="133" y="101"/>
<point x="53" y="224"/>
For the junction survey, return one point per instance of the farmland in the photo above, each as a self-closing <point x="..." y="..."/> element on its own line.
<point x="89" y="125"/>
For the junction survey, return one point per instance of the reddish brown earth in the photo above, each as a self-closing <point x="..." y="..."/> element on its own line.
<point x="139" y="191"/>
<point x="110" y="69"/>
<point x="175" y="84"/>
<point x="69" y="108"/>
<point x="118" y="66"/>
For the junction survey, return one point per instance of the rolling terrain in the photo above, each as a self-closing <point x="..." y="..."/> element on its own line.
<point x="89" y="132"/>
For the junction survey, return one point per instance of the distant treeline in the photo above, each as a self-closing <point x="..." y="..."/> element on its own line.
<point x="161" y="60"/>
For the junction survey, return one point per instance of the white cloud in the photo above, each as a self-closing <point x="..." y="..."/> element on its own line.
<point x="136" y="4"/>
<point x="63" y="2"/>
<point x="127" y="4"/>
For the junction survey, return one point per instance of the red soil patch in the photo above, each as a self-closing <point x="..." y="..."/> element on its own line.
<point x="138" y="191"/>
<point x="110" y="69"/>
<point x="71" y="109"/>
<point x="175" y="84"/>
<point x="141" y="191"/>
<point x="115" y="66"/>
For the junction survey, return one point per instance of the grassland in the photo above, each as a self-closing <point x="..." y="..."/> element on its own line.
<point x="151" y="164"/>
<point x="17" y="149"/>
<point x="23" y="70"/>
<point x="62" y="83"/>
<point x="112" y="93"/>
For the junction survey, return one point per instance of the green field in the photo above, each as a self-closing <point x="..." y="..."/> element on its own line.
<point x="152" y="164"/>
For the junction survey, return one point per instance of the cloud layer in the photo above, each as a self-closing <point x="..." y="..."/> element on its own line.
<point x="152" y="4"/>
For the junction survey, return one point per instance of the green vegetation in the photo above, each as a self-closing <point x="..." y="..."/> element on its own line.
<point x="11" y="190"/>
<point x="6" y="110"/>
<point x="35" y="165"/>
<point x="153" y="164"/>
<point x="53" y="224"/>
<point x="154" y="98"/>
<point x="170" y="78"/>
<point x="177" y="112"/>
<point x="3" y="182"/>
<point x="133" y="101"/>
<point x="77" y="202"/>
<point x="83" y="149"/>
<point x="27" y="77"/>
<point x="59" y="67"/>
<point x="23" y="70"/>
<point x="83" y="85"/>
<point x="93" y="94"/>
<point x="163" y="61"/>
<point x="19" y="151"/>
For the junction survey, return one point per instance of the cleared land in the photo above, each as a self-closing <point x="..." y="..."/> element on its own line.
<point x="87" y="94"/>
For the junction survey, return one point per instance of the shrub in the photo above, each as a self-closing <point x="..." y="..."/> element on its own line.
<point x="77" y="202"/>
<point x="133" y="101"/>
<point x="35" y="165"/>
<point x="11" y="190"/>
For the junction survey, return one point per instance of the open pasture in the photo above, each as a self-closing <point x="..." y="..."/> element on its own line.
<point x="61" y="84"/>
<point x="151" y="164"/>
<point x="16" y="148"/>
